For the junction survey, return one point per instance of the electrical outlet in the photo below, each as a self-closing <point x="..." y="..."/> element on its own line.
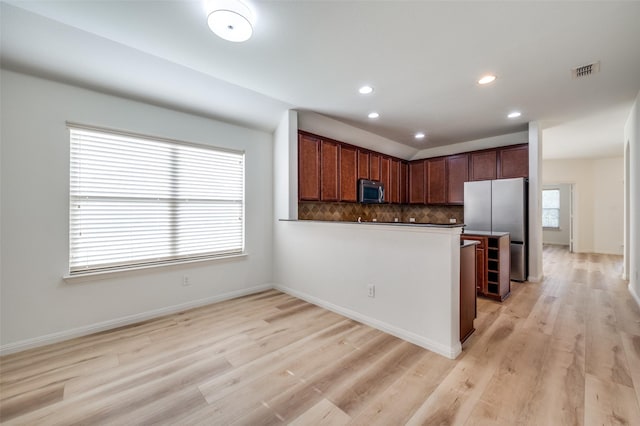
<point x="412" y="219"/>
<point x="452" y="220"/>
<point x="371" y="290"/>
<point x="185" y="280"/>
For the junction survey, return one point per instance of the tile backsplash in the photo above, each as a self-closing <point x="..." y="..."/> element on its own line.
<point x="349" y="212"/>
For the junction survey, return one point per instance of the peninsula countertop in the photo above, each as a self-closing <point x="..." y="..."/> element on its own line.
<point x="484" y="233"/>
<point x="427" y="225"/>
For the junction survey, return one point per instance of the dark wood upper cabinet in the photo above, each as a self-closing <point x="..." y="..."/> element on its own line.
<point x="394" y="182"/>
<point x="513" y="161"/>
<point x="437" y="181"/>
<point x="416" y="182"/>
<point x="374" y="166"/>
<point x="348" y="173"/>
<point x="328" y="171"/>
<point x="385" y="178"/>
<point x="363" y="164"/>
<point x="457" y="175"/>
<point x="308" y="168"/>
<point x="483" y="165"/>
<point x="404" y="182"/>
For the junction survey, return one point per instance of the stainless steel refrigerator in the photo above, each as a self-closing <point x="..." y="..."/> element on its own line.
<point x="500" y="206"/>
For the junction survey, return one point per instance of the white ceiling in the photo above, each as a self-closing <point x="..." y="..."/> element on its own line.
<point x="423" y="58"/>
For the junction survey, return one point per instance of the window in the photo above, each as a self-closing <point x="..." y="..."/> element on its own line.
<point x="551" y="208"/>
<point x="141" y="201"/>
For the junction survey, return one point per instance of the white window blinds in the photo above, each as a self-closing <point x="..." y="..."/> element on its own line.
<point x="139" y="201"/>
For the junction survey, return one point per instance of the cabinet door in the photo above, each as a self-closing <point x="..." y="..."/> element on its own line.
<point x="404" y="183"/>
<point x="328" y="171"/>
<point x="513" y="162"/>
<point x="385" y="178"/>
<point x="374" y="166"/>
<point x="308" y="168"/>
<point x="457" y="175"/>
<point x="483" y="165"/>
<point x="394" y="182"/>
<point x="437" y="181"/>
<point x="348" y="173"/>
<point x="481" y="262"/>
<point x="468" y="291"/>
<point x="363" y="164"/>
<point x="416" y="182"/>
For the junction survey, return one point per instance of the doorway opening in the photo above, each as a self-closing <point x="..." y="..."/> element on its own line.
<point x="557" y="215"/>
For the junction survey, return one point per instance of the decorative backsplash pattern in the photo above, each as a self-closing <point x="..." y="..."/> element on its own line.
<point x="433" y="214"/>
<point x="349" y="212"/>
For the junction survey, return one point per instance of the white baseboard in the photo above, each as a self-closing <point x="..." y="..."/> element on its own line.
<point x="635" y="295"/>
<point x="534" y="279"/>
<point x="130" y="319"/>
<point x="446" y="351"/>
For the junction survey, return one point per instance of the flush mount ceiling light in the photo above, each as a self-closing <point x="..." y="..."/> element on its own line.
<point x="365" y="90"/>
<point x="231" y="20"/>
<point x="419" y="135"/>
<point x="373" y="115"/>
<point x="489" y="78"/>
<point x="514" y="114"/>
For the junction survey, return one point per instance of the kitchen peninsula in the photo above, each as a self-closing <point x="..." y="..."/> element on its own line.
<point x="402" y="273"/>
<point x="402" y="279"/>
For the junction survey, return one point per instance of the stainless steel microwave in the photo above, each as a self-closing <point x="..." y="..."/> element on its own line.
<point x="370" y="191"/>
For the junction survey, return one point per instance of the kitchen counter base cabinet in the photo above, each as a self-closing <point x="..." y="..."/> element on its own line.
<point x="467" y="290"/>
<point x="493" y="260"/>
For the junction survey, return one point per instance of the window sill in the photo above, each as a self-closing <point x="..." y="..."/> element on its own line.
<point x="101" y="275"/>
<point x="551" y="229"/>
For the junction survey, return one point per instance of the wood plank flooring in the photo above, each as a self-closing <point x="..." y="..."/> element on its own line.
<point x="564" y="351"/>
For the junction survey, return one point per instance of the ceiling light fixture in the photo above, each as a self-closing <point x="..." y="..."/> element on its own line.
<point x="419" y="135"/>
<point x="514" y="114"/>
<point x="373" y="115"/>
<point x="231" y="20"/>
<point x="489" y="78"/>
<point x="365" y="90"/>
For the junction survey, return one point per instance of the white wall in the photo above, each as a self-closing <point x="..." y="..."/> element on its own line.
<point x="562" y="235"/>
<point x="37" y="306"/>
<point x="608" y="207"/>
<point x="598" y="201"/>
<point x="415" y="270"/>
<point x="325" y="126"/>
<point x="535" y="202"/>
<point x="473" y="145"/>
<point x="285" y="167"/>
<point x="632" y="139"/>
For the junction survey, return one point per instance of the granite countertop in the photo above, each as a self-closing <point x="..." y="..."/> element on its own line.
<point x="467" y="243"/>
<point x="484" y="233"/>
<point x="428" y="225"/>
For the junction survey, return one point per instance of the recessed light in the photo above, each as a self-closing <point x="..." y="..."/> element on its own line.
<point x="373" y="115"/>
<point x="489" y="78"/>
<point x="514" y="114"/>
<point x="365" y="90"/>
<point x="419" y="135"/>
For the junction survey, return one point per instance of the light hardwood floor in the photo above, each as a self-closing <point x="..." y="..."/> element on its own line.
<point x="562" y="352"/>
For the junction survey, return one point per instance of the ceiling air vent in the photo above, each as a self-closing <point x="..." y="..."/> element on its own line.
<point x="585" y="70"/>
